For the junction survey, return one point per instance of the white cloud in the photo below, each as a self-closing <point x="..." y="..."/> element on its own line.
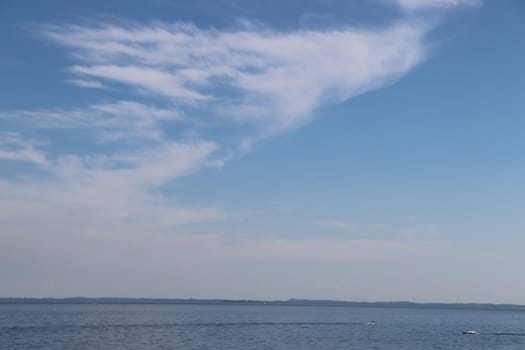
<point x="278" y="78"/>
<point x="417" y="5"/>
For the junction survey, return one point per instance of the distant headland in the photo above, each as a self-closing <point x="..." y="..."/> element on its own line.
<point x="289" y="302"/>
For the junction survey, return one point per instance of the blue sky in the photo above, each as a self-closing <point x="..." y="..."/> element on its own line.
<point x="263" y="150"/>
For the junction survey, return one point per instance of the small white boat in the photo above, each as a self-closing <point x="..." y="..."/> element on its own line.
<point x="470" y="332"/>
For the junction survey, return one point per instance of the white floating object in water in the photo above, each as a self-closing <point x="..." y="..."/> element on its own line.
<point x="470" y="332"/>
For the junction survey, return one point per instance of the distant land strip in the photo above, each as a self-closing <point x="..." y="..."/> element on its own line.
<point x="289" y="302"/>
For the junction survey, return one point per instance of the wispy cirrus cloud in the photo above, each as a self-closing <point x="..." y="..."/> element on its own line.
<point x="251" y="75"/>
<point x="210" y="93"/>
<point x="105" y="194"/>
<point x="267" y="79"/>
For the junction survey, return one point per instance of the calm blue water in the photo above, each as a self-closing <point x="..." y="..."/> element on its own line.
<point x="47" y="326"/>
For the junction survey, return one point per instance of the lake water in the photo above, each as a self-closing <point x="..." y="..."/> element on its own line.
<point x="121" y="326"/>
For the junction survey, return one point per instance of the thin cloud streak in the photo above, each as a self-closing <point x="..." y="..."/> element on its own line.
<point x="418" y="5"/>
<point x="119" y="121"/>
<point x="15" y="148"/>
<point x="87" y="83"/>
<point x="337" y="224"/>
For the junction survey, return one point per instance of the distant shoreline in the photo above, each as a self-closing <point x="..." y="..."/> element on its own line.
<point x="289" y="302"/>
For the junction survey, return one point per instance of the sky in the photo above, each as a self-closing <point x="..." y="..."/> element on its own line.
<point x="321" y="149"/>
